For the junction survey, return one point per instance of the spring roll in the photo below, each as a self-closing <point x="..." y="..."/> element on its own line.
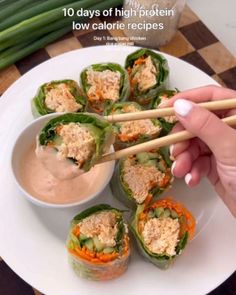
<point x="132" y="132"/>
<point x="169" y="121"/>
<point x="104" y="84"/>
<point x="70" y="144"/>
<point x="98" y="243"/>
<point x="57" y="97"/>
<point x="148" y="74"/>
<point x="162" y="231"/>
<point x="140" y="178"/>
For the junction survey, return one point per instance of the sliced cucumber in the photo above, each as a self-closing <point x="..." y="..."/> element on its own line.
<point x="57" y="140"/>
<point x="174" y="214"/>
<point x="151" y="214"/>
<point x="142" y="157"/>
<point x="75" y="239"/>
<point x="166" y="213"/>
<point x="98" y="244"/>
<point x="108" y="250"/>
<point x="82" y="238"/>
<point x="89" y="244"/>
<point x="153" y="156"/>
<point x="151" y="162"/>
<point x="159" y="211"/>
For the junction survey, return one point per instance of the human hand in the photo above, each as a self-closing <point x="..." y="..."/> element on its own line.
<point x="213" y="152"/>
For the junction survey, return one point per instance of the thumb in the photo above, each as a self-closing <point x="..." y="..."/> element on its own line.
<point x="219" y="137"/>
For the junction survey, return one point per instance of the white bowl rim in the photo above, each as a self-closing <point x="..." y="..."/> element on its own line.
<point x="45" y="204"/>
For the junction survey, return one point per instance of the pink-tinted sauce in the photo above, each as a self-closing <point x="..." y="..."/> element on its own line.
<point x="41" y="184"/>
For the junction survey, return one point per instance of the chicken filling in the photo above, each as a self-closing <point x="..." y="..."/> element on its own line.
<point x="76" y="143"/>
<point x="145" y="74"/>
<point x="102" y="225"/>
<point x="134" y="129"/>
<point x="161" y="235"/>
<point x="60" y="99"/>
<point x="104" y="85"/>
<point x="141" y="179"/>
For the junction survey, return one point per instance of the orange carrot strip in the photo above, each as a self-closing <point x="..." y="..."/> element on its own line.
<point x="148" y="199"/>
<point x="139" y="61"/>
<point x="76" y="231"/>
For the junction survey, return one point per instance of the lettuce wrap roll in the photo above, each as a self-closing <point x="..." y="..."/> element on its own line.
<point x="140" y="178"/>
<point x="148" y="74"/>
<point x="70" y="144"/>
<point x="104" y="84"/>
<point x="132" y="132"/>
<point x="98" y="243"/>
<point x="162" y="231"/>
<point x="57" y="97"/>
<point x="169" y="121"/>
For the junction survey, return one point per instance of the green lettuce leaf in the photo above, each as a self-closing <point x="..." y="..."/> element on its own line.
<point x="100" y="128"/>
<point x="161" y="64"/>
<point x="124" y="82"/>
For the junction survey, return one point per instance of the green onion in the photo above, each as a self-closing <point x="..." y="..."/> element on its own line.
<point x="43" y="19"/>
<point x="11" y="9"/>
<point x="32" y="10"/>
<point x="19" y="51"/>
<point x="23" y="50"/>
<point x="38" y="33"/>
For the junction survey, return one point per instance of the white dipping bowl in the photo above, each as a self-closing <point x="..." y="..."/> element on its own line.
<point x="23" y="143"/>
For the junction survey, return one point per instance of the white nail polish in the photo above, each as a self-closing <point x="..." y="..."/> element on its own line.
<point x="182" y="107"/>
<point x="188" y="178"/>
<point x="173" y="168"/>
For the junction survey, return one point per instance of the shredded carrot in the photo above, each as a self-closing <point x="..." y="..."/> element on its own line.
<point x="142" y="215"/>
<point x="148" y="199"/>
<point x="129" y="70"/>
<point x="125" y="137"/>
<point x="58" y="129"/>
<point x="50" y="144"/>
<point x="165" y="180"/>
<point x="140" y="60"/>
<point x="76" y="231"/>
<point x="98" y="257"/>
<point x="108" y="257"/>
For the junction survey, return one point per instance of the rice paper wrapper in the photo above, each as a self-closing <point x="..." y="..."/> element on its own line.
<point x="93" y="268"/>
<point x="98" y="106"/>
<point x="146" y="97"/>
<point x="96" y="272"/>
<point x="187" y="230"/>
<point x="122" y="192"/>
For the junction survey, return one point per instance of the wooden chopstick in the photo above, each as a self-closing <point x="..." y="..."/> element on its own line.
<point x="162" y="112"/>
<point x="157" y="143"/>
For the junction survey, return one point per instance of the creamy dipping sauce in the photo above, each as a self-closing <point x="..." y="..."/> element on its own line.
<point x="60" y="168"/>
<point x="41" y="184"/>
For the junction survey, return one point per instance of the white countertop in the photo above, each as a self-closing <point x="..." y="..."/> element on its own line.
<point x="220" y="17"/>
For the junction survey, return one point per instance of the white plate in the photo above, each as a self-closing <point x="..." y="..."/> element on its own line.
<point x="32" y="239"/>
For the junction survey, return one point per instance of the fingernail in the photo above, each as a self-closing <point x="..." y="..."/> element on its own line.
<point x="171" y="150"/>
<point x="188" y="178"/>
<point x="173" y="168"/>
<point x="182" y="107"/>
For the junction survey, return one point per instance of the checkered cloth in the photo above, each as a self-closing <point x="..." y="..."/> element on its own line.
<point x="193" y="43"/>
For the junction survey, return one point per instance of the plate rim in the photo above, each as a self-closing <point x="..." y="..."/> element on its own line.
<point x="19" y="80"/>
